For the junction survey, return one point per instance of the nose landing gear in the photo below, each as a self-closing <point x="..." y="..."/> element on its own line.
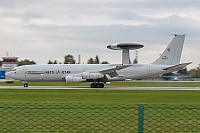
<point x="25" y="84"/>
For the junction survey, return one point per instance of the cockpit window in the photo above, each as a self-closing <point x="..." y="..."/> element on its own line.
<point x="13" y="69"/>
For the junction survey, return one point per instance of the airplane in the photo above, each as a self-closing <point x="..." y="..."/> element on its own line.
<point x="99" y="74"/>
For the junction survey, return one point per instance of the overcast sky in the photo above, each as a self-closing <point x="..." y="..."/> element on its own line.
<point x="43" y="30"/>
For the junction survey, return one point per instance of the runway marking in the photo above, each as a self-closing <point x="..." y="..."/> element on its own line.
<point x="105" y="88"/>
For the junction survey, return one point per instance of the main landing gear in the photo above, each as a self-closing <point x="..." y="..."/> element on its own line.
<point x="97" y="85"/>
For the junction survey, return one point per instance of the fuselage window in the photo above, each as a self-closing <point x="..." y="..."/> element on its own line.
<point x="13" y="70"/>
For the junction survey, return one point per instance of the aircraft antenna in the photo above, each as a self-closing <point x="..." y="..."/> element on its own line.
<point x="125" y="47"/>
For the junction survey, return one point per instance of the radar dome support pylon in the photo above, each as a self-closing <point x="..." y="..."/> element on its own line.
<point x="125" y="47"/>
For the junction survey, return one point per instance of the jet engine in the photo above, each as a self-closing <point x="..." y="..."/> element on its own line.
<point x="87" y="75"/>
<point x="70" y="79"/>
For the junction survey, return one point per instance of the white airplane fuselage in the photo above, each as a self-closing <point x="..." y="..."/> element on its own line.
<point x="57" y="72"/>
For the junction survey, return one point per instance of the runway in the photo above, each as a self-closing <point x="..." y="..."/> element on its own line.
<point x="105" y="88"/>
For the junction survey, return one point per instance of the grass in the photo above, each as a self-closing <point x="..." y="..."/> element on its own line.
<point x="100" y="96"/>
<point x="47" y="110"/>
<point x="28" y="110"/>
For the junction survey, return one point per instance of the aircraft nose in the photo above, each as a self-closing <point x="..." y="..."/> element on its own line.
<point x="9" y="74"/>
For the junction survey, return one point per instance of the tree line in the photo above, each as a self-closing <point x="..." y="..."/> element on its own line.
<point x="69" y="59"/>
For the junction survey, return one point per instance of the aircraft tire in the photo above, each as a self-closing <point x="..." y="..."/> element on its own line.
<point x="101" y="85"/>
<point x="98" y="85"/>
<point x="25" y="84"/>
<point x="93" y="85"/>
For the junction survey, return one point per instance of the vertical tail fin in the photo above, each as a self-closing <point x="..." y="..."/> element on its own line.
<point x="172" y="54"/>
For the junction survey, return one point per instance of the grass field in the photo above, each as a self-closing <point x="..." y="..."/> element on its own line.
<point x="103" y="96"/>
<point x="47" y="110"/>
<point x="100" y="96"/>
<point x="24" y="110"/>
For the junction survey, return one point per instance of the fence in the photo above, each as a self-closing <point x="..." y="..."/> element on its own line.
<point x="79" y="117"/>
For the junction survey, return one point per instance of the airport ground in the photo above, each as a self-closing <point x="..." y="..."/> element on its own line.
<point x="106" y="88"/>
<point x="116" y="92"/>
<point x="30" y="101"/>
<point x="113" y="84"/>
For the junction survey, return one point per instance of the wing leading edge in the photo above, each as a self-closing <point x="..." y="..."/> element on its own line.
<point x="112" y="71"/>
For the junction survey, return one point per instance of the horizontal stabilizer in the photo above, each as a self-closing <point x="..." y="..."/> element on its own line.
<point x="177" y="67"/>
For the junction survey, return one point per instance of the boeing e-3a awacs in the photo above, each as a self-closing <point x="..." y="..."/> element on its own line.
<point x="99" y="74"/>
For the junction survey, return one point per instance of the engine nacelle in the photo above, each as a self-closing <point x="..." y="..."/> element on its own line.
<point x="87" y="75"/>
<point x="71" y="79"/>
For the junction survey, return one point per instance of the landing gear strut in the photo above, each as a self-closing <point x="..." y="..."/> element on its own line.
<point x="97" y="85"/>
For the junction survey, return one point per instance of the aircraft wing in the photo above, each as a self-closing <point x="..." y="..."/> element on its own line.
<point x="112" y="70"/>
<point x="108" y="70"/>
<point x="177" y="67"/>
